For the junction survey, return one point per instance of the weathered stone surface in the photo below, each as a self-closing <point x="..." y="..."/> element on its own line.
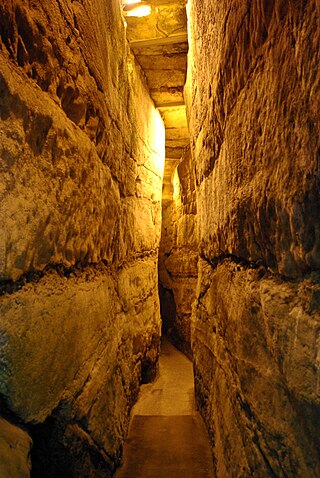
<point x="15" y="447"/>
<point x="81" y="157"/>
<point x="252" y="103"/>
<point x="253" y="99"/>
<point x="73" y="165"/>
<point x="178" y="256"/>
<point x="256" y="353"/>
<point x="159" y="42"/>
<point x="69" y="326"/>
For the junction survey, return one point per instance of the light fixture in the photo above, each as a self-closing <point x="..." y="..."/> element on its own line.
<point x="134" y="8"/>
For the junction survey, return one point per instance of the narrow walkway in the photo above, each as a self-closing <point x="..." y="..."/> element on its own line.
<point x="167" y="438"/>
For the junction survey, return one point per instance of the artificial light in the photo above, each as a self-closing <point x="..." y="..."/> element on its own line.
<point x="136" y="8"/>
<point x="141" y="11"/>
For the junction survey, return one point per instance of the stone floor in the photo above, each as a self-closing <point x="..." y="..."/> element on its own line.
<point x="167" y="438"/>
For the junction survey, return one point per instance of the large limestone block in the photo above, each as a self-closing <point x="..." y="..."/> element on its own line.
<point x="52" y="334"/>
<point x="81" y="159"/>
<point x="253" y="109"/>
<point x="76" y="346"/>
<point x="256" y="354"/>
<point x="59" y="195"/>
<point x="253" y="102"/>
<point x="79" y="134"/>
<point x="55" y="331"/>
<point x="15" y="447"/>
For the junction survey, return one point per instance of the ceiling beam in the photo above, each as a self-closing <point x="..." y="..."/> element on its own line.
<point x="167" y="2"/>
<point x="171" y="104"/>
<point x="171" y="40"/>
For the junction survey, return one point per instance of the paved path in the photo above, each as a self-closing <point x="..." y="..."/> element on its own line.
<point x="167" y="438"/>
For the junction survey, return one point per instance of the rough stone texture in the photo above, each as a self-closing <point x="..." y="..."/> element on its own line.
<point x="256" y="358"/>
<point x="178" y="256"/>
<point x="82" y="154"/>
<point x="15" y="447"/>
<point x="253" y="102"/>
<point x="254" y="121"/>
<point x="71" y="328"/>
<point x="72" y="130"/>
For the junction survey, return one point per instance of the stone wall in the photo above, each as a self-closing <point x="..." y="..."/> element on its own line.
<point x="253" y="103"/>
<point x="178" y="255"/>
<point x="82" y="152"/>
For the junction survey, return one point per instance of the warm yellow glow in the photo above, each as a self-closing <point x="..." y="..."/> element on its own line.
<point x="130" y="2"/>
<point x="158" y="143"/>
<point x="140" y="11"/>
<point x="176" y="187"/>
<point x="160" y="138"/>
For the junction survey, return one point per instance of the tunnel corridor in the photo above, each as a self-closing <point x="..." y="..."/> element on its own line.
<point x="159" y="174"/>
<point x="159" y="41"/>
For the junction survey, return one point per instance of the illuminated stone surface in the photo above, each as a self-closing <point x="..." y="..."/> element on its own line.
<point x="82" y="154"/>
<point x="159" y="42"/>
<point x="253" y="106"/>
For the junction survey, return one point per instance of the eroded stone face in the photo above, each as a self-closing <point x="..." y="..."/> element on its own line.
<point x="252" y="102"/>
<point x="85" y="170"/>
<point x="82" y="154"/>
<point x="254" y="122"/>
<point x="255" y="348"/>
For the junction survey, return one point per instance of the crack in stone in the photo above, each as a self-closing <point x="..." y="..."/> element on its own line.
<point x="9" y="287"/>
<point x="245" y="263"/>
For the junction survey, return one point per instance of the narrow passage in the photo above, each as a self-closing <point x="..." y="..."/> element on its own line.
<point x="167" y="438"/>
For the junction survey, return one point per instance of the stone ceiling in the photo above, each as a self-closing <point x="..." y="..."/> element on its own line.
<point x="160" y="44"/>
